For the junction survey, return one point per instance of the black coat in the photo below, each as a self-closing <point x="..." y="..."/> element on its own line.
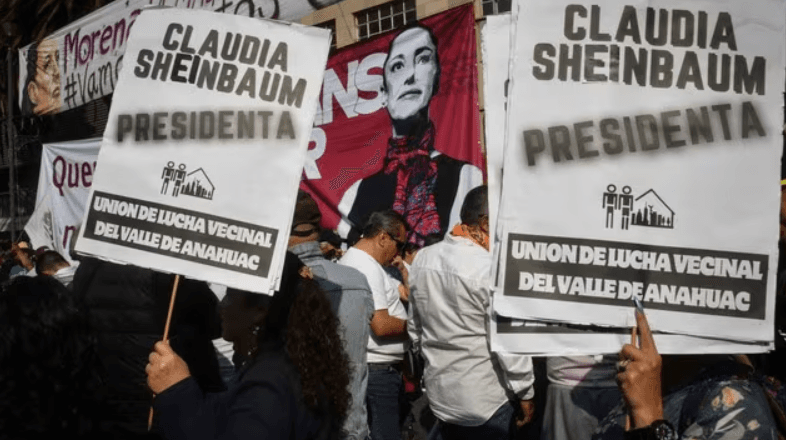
<point x="378" y="191"/>
<point x="265" y="403"/>
<point x="127" y="306"/>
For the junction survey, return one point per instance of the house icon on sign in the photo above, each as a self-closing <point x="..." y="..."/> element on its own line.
<point x="650" y="210"/>
<point x="197" y="184"/>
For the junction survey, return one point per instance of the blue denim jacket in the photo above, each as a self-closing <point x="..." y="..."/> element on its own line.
<point x="351" y="300"/>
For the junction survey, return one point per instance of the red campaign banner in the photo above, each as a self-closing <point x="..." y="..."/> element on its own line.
<point x="357" y="112"/>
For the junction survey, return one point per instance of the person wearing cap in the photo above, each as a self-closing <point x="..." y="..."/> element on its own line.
<point x="383" y="237"/>
<point x="350" y="298"/>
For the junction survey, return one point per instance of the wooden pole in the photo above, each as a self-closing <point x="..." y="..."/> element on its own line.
<point x="172" y="307"/>
<point x="166" y="337"/>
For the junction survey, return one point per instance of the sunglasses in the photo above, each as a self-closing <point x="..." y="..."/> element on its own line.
<point x="400" y="245"/>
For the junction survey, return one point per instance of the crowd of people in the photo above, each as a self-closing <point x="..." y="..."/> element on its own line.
<point x="380" y="341"/>
<point x="382" y="336"/>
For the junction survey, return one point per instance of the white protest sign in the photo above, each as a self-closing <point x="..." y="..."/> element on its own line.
<point x="495" y="44"/>
<point x="642" y="160"/>
<point x="64" y="182"/>
<point x="205" y="144"/>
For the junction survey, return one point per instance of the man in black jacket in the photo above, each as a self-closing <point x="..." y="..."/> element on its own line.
<point x="127" y="306"/>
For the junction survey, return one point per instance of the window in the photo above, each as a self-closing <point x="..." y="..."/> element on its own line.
<point x="386" y="17"/>
<point x="493" y="7"/>
<point x="330" y="24"/>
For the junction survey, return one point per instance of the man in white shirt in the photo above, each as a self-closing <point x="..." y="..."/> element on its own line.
<point x="383" y="237"/>
<point x="473" y="393"/>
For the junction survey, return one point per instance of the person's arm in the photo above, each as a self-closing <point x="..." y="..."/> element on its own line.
<point x="518" y="374"/>
<point x="403" y="287"/>
<point x="414" y="329"/>
<point x="640" y="377"/>
<point x="517" y="370"/>
<point x="385" y="326"/>
<point x="258" y="409"/>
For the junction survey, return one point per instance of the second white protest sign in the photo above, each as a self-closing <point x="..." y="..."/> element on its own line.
<point x="642" y="160"/>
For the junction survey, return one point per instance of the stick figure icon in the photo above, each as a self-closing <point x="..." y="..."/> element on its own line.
<point x="626" y="205"/>
<point x="180" y="175"/>
<point x="611" y="203"/>
<point x="167" y="174"/>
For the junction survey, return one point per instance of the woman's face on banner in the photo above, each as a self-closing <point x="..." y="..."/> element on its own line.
<point x="410" y="72"/>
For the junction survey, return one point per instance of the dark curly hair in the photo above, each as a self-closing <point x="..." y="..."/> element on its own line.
<point x="300" y="315"/>
<point x="314" y="346"/>
<point x="50" y="380"/>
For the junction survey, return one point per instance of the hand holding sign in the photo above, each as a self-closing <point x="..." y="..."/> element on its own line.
<point x="640" y="379"/>
<point x="165" y="368"/>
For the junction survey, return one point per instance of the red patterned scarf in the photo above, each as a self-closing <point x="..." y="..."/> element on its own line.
<point x="416" y="179"/>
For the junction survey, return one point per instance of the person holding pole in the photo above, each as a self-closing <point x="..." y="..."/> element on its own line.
<point x="293" y="378"/>
<point x="127" y="306"/>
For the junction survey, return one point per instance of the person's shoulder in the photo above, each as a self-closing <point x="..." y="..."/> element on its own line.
<point x="357" y="259"/>
<point x="344" y="275"/>
<point x="272" y="368"/>
<point x="436" y="250"/>
<point x="446" y="162"/>
<point x="454" y="255"/>
<point x="729" y="403"/>
<point x="456" y="246"/>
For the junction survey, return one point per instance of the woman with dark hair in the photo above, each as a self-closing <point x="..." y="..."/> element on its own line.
<point x="49" y="375"/>
<point x="293" y="372"/>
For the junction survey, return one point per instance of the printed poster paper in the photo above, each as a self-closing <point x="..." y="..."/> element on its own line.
<point x="495" y="43"/>
<point x="642" y="160"/>
<point x="552" y="339"/>
<point x="347" y="166"/>
<point x="202" y="155"/>
<point x="64" y="183"/>
<point x="81" y="61"/>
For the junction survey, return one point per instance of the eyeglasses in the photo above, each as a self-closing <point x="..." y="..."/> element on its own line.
<point x="400" y="245"/>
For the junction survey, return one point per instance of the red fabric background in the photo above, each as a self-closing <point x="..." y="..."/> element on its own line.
<point x="356" y="146"/>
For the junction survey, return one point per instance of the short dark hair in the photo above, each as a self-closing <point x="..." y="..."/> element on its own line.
<point x="383" y="221"/>
<point x="476" y="205"/>
<point x="49" y="261"/>
<point x="436" y="56"/>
